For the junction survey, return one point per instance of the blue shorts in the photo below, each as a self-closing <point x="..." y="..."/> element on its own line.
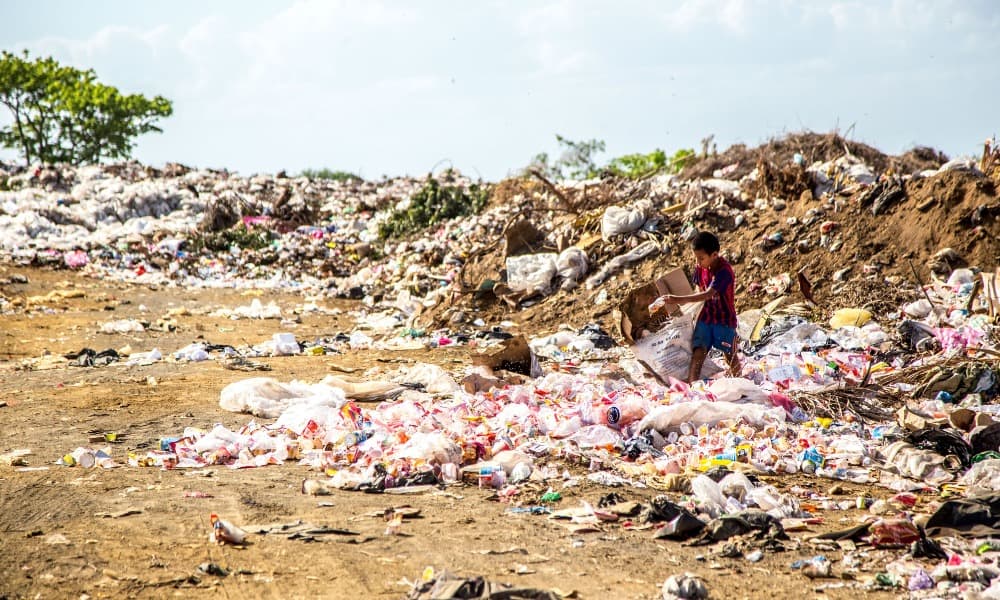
<point x="713" y="335"/>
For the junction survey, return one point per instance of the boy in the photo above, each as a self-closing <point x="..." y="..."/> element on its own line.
<point x="716" y="326"/>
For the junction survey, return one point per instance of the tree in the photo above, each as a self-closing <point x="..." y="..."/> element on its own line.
<point x="64" y="115"/>
<point x="576" y="160"/>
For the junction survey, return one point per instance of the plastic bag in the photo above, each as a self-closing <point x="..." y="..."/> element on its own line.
<point x="122" y="326"/>
<point x="432" y="448"/>
<point x="668" y="351"/>
<point x="434" y="379"/>
<point x="924" y="465"/>
<point x="531" y="273"/>
<point x="702" y="412"/>
<point x="855" y="317"/>
<point x="733" y="389"/>
<point x="285" y="344"/>
<point x="267" y="397"/>
<point x="709" y="495"/>
<point x="596" y="436"/>
<point x="571" y="264"/>
<point x="618" y="220"/>
<point x="640" y="252"/>
<point x="984" y="476"/>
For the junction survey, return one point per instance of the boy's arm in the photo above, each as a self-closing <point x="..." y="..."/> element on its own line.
<point x="666" y="299"/>
<point x="687" y="299"/>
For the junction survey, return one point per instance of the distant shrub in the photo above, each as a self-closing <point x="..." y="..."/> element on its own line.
<point x="329" y="174"/>
<point x="431" y="205"/>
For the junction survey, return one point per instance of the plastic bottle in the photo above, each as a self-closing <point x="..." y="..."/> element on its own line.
<point x="621" y="414"/>
<point x="224" y="532"/>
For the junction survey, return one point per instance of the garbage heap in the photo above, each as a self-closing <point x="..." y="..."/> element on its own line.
<point x="869" y="309"/>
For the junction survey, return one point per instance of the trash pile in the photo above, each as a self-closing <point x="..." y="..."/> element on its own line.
<point x="857" y="368"/>
<point x="849" y="400"/>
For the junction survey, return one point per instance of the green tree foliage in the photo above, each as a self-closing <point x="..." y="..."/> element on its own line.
<point x="64" y="115"/>
<point x="577" y="160"/>
<point x="433" y="204"/>
<point x="635" y="166"/>
<point x="329" y="174"/>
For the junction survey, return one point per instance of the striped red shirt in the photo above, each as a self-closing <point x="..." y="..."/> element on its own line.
<point x="720" y="310"/>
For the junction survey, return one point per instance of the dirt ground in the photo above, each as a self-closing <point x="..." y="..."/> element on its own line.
<point x="133" y="532"/>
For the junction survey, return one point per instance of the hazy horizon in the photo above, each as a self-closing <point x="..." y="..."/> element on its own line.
<point x="390" y="88"/>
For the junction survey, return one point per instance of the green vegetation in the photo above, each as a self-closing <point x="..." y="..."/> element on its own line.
<point x="62" y="114"/>
<point x="636" y="166"/>
<point x="241" y="236"/>
<point x="433" y="204"/>
<point x="329" y="174"/>
<point x="577" y="161"/>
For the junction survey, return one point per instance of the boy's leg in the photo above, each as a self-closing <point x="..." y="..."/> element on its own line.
<point x="730" y="349"/>
<point x="733" y="360"/>
<point x="701" y="341"/>
<point x="697" y="362"/>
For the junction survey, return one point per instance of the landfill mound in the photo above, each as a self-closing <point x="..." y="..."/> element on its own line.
<point x="813" y="147"/>
<point x="842" y="213"/>
<point x="414" y="351"/>
<point x="841" y="240"/>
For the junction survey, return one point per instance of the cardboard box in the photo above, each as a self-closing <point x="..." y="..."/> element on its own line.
<point x="663" y="343"/>
<point x="635" y="308"/>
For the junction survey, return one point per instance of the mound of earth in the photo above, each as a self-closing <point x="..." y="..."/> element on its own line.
<point x="813" y="147"/>
<point x="838" y="243"/>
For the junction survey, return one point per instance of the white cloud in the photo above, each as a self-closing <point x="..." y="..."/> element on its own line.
<point x="732" y="15"/>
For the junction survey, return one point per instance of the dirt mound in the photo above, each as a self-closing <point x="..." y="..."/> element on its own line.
<point x="813" y="147"/>
<point x="849" y="254"/>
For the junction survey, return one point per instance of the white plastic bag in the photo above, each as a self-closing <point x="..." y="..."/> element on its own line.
<point x="618" y="220"/>
<point x="531" y="273"/>
<point x="735" y="389"/>
<point x="267" y="397"/>
<point x="702" y="412"/>
<point x="285" y="344"/>
<point x="668" y="351"/>
<point x="434" y="379"/>
<point x="571" y="264"/>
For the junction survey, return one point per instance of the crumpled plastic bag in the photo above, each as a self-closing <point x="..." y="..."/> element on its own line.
<point x="434" y="379"/>
<point x="571" y="265"/>
<point x="703" y="412"/>
<point x="433" y="448"/>
<point x="268" y="398"/>
<point x="617" y="263"/>
<point x="735" y="389"/>
<point x="531" y="273"/>
<point x="618" y="220"/>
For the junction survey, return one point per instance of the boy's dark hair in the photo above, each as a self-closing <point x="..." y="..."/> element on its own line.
<point x="706" y="242"/>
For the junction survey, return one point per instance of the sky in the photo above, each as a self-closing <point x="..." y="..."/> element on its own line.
<point x="400" y="87"/>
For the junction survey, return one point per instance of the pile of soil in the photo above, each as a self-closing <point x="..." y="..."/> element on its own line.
<point x="814" y="147"/>
<point x="955" y="210"/>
